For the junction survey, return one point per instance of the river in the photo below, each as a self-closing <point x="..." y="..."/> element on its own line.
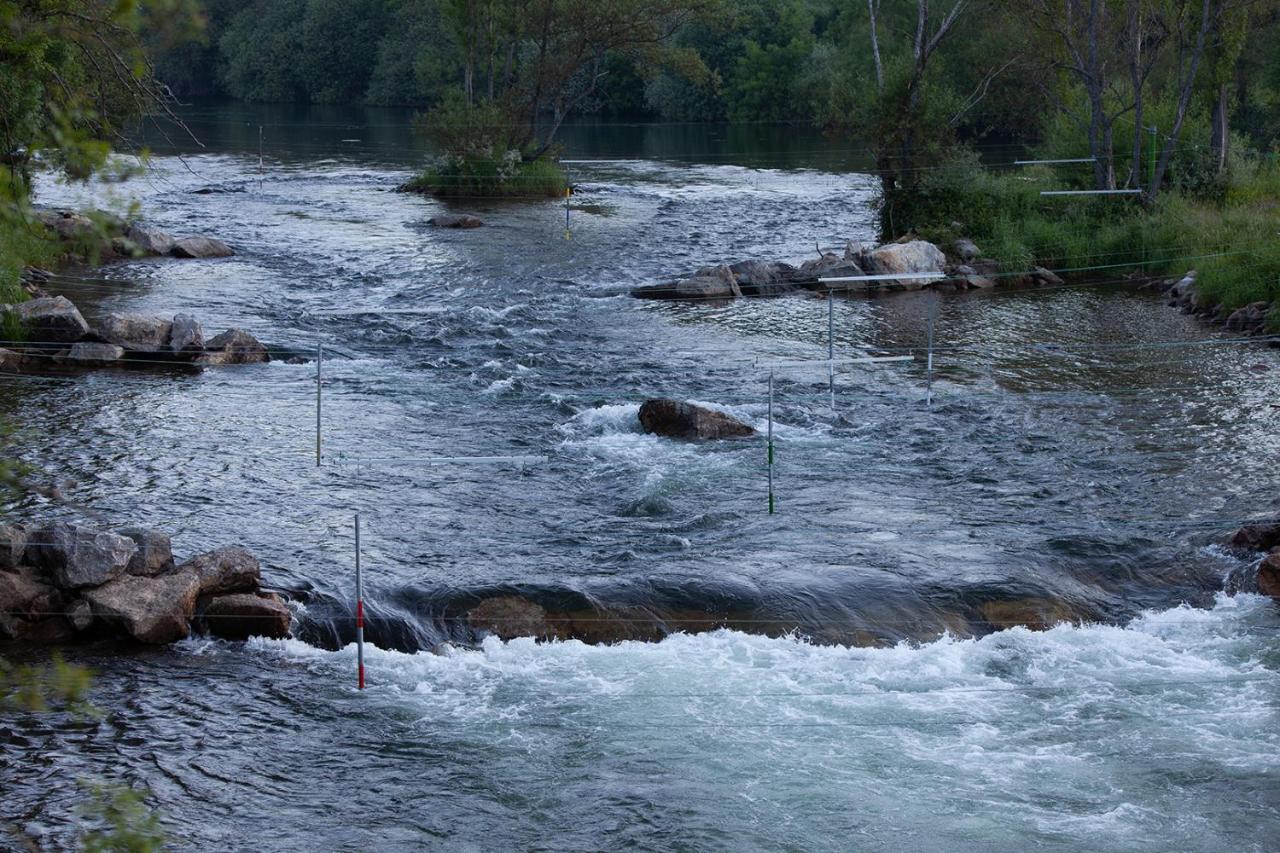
<point x="1085" y="450"/>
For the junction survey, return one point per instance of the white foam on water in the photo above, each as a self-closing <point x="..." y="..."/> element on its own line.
<point x="1086" y="735"/>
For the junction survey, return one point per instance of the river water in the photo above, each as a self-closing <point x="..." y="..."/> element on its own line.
<point x="1085" y="451"/>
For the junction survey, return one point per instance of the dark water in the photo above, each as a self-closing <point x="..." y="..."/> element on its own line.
<point x="1085" y="449"/>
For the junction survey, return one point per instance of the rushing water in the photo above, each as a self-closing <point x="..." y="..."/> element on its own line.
<point x="1085" y="450"/>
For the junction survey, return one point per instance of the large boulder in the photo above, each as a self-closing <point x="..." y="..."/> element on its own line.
<point x="201" y="247"/>
<point x="79" y="557"/>
<point x="231" y="569"/>
<point x="1251" y="319"/>
<point x="9" y="360"/>
<point x="1269" y="575"/>
<point x="13" y="545"/>
<point x="151" y="610"/>
<point x="51" y="320"/>
<point x="830" y="265"/>
<point x="1257" y="536"/>
<point x="149" y="241"/>
<point x="186" y="336"/>
<point x="25" y="597"/>
<point x="234" y="346"/>
<point x="763" y="278"/>
<point x="914" y="256"/>
<point x="155" y="551"/>
<point x="136" y="332"/>
<point x="69" y="225"/>
<point x="450" y="220"/>
<point x="677" y="419"/>
<point x="89" y="354"/>
<point x="508" y="617"/>
<point x="244" y="615"/>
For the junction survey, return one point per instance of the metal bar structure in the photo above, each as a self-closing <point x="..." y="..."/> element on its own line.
<point x="319" y="362"/>
<point x="902" y="276"/>
<point x="443" y="460"/>
<point x="933" y="312"/>
<point x="769" y="440"/>
<point x="1054" y="162"/>
<point x="359" y="612"/>
<point x="1091" y="192"/>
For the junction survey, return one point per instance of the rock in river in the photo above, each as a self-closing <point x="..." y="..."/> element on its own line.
<point x="234" y="346"/>
<point x="676" y="419"/>
<point x="51" y="320"/>
<point x="450" y="220"/>
<point x="149" y="241"/>
<point x="79" y="557"/>
<point x="201" y="247"/>
<point x="224" y="570"/>
<point x="244" y="615"/>
<point x="136" y="332"/>
<point x="154" y="555"/>
<point x="508" y="617"/>
<point x="1257" y="536"/>
<point x="151" y="610"/>
<point x="915" y="256"/>
<point x="86" y="354"/>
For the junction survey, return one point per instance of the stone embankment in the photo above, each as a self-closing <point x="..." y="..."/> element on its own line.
<point x="60" y="582"/>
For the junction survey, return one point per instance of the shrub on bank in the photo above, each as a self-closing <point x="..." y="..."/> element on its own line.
<point x="1231" y="237"/>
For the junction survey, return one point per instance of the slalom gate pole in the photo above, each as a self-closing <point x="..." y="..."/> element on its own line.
<point x="259" y="158"/>
<point x="770" y="442"/>
<point x="831" y="346"/>
<point x="359" y="612"/>
<point x="933" y="311"/>
<point x="319" y="361"/>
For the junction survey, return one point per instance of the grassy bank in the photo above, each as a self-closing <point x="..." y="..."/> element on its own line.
<point x="489" y="176"/>
<point x="1109" y="237"/>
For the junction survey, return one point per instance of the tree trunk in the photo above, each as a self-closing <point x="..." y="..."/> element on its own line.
<point x="1187" y="85"/>
<point x="1220" y="132"/>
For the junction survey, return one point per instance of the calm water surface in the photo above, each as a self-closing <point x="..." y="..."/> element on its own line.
<point x="1086" y="448"/>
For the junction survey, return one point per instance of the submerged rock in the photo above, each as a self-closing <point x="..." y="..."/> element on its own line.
<point x="508" y="617"/>
<point x="709" y="283"/>
<point x="677" y="419"/>
<point x="1257" y="536"/>
<point x="86" y="354"/>
<point x="1038" y="614"/>
<point x="244" y="615"/>
<point x="201" y="247"/>
<point x="150" y="610"/>
<point x="450" y="220"/>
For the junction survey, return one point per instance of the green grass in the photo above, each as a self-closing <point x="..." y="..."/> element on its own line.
<point x="1011" y="222"/>
<point x="21" y="245"/>
<point x="475" y="176"/>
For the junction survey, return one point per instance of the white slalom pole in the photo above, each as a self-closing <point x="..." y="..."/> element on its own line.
<point x="933" y="310"/>
<point x="831" y="347"/>
<point x="770" y="443"/>
<point x="359" y="612"/>
<point x="319" y="360"/>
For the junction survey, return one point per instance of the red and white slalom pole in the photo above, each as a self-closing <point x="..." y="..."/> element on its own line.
<point x="359" y="612"/>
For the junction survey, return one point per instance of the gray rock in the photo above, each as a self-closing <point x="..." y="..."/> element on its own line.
<point x="68" y="224"/>
<point x="51" y="320"/>
<point x="186" y="336"/>
<point x="234" y="346"/>
<point x="708" y="283"/>
<point x="1042" y="276"/>
<point x="231" y="569"/>
<point x="80" y="615"/>
<point x="155" y="552"/>
<point x="79" y="557"/>
<point x="136" y="332"/>
<point x="244" y="615"/>
<point x="914" y="256"/>
<point x="201" y="247"/>
<point x="1251" y="319"/>
<point x="449" y="220"/>
<point x="979" y="282"/>
<point x="829" y="265"/>
<point x="763" y="278"/>
<point x="9" y="360"/>
<point x="965" y="249"/>
<point x="13" y="545"/>
<point x="24" y="594"/>
<point x="676" y="419"/>
<point x="93" y="355"/>
<point x="150" y="610"/>
<point x="149" y="241"/>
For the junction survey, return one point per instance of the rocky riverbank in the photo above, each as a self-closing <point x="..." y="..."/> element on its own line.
<point x="60" y="582"/>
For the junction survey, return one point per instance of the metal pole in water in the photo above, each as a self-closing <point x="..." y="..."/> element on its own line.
<point x="770" y="442"/>
<point x="259" y="158"/>
<point x="831" y="346"/>
<point x="568" y="191"/>
<point x="933" y="310"/>
<point x="359" y="611"/>
<point x="319" y="360"/>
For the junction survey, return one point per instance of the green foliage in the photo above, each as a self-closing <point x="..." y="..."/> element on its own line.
<point x="481" y="175"/>
<point x="58" y="686"/>
<point x="126" y="823"/>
